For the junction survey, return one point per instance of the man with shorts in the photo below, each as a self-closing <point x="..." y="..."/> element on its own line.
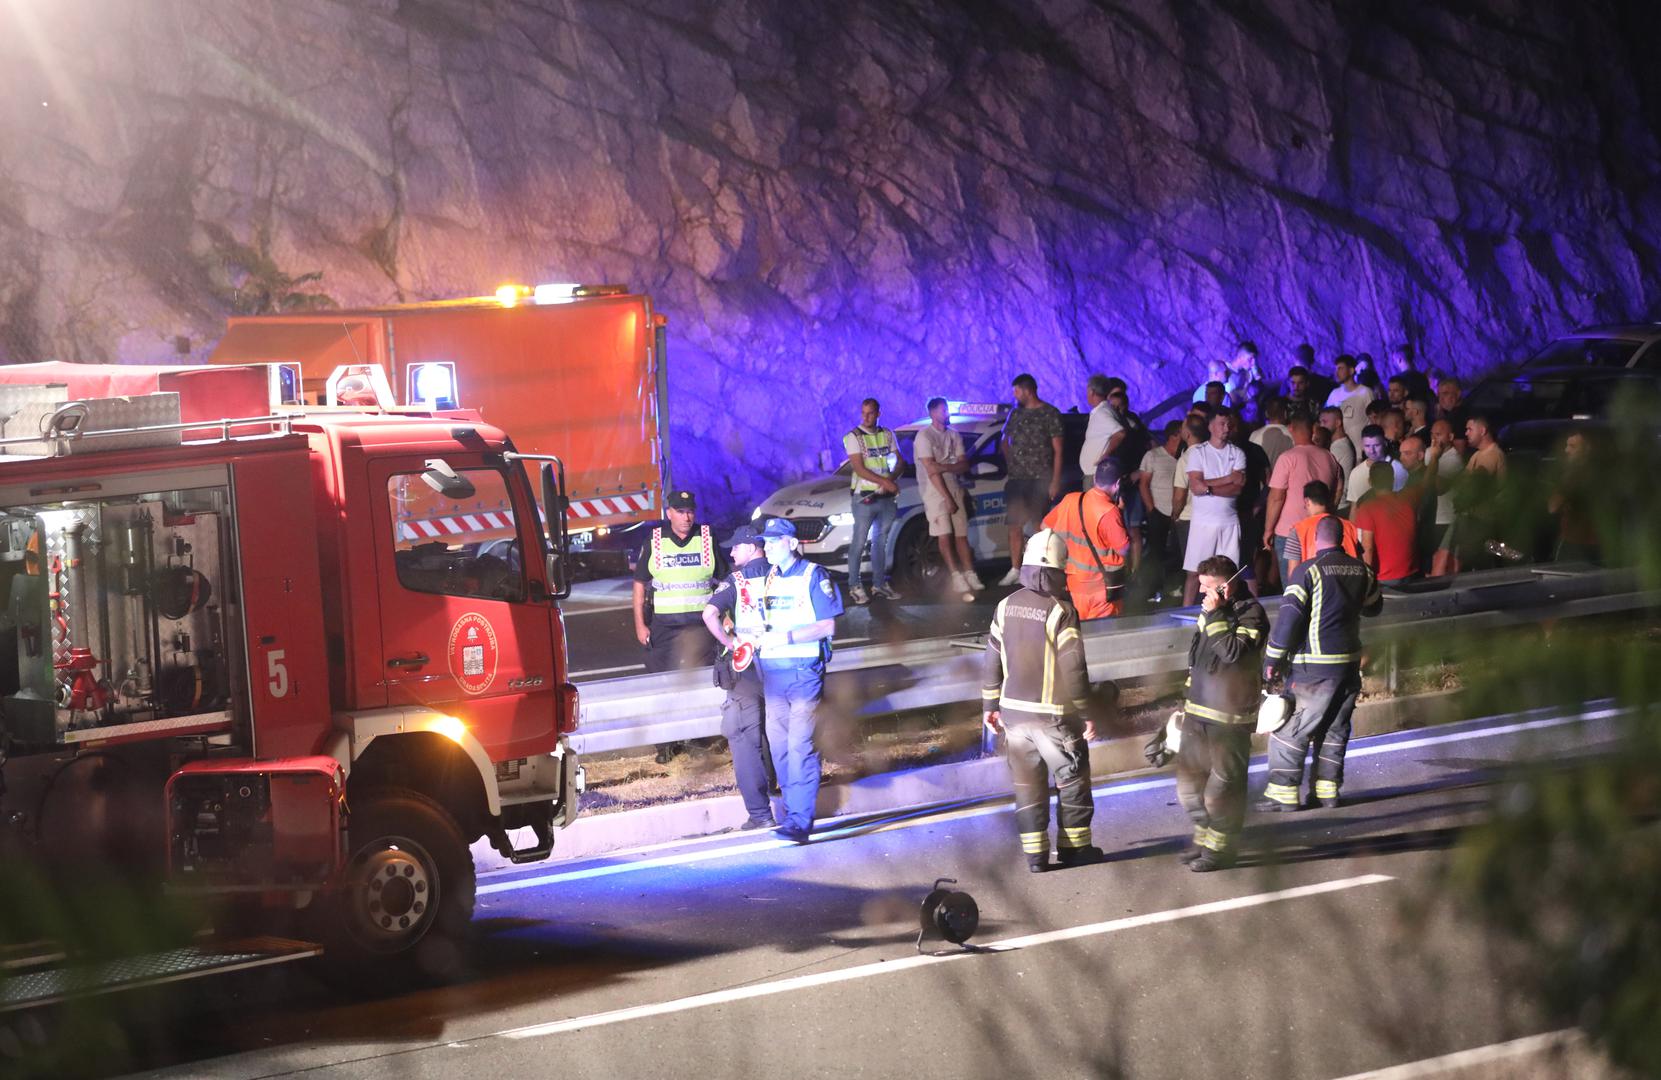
<point x="1216" y="476"/>
<point x="1032" y="451"/>
<point x="940" y="461"/>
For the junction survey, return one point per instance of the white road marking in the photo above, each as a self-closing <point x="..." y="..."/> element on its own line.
<point x="1481" y="1055"/>
<point x="688" y="858"/>
<point x="889" y="967"/>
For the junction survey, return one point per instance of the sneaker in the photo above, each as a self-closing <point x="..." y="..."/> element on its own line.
<point x="792" y="834"/>
<point x="858" y="594"/>
<point x="1212" y="860"/>
<point x="974" y="580"/>
<point x="1013" y="577"/>
<point x="1037" y="864"/>
<point x="754" y="823"/>
<point x="960" y="586"/>
<point x="886" y="591"/>
<point x="666" y="752"/>
<point x="1080" y="856"/>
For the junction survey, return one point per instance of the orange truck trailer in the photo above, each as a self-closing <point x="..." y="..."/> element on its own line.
<point x="231" y="656"/>
<point x="575" y="371"/>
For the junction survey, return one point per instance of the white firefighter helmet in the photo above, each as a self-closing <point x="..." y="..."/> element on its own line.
<point x="1173" y="732"/>
<point x="1045" y="549"/>
<point x="1273" y="713"/>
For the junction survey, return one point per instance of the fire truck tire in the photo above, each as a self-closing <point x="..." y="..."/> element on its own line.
<point x="404" y="901"/>
<point x="918" y="568"/>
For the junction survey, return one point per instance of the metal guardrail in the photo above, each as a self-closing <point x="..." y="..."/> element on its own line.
<point x="881" y="679"/>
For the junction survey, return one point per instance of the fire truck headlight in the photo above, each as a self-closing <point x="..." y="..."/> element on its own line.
<point x="434" y="384"/>
<point x="508" y="295"/>
<point x="450" y="727"/>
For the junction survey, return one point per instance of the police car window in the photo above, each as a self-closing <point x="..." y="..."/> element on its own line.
<point x="466" y="547"/>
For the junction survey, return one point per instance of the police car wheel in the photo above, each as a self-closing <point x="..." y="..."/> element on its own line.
<point x="918" y="567"/>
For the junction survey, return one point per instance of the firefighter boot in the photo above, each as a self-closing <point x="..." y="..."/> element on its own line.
<point x="1087" y="855"/>
<point x="1326" y="794"/>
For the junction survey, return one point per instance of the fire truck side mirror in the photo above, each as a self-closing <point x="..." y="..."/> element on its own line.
<point x="555" y="506"/>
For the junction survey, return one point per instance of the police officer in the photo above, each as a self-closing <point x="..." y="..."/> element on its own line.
<point x="673" y="580"/>
<point x="1317" y="642"/>
<point x="1219" y="713"/>
<point x="799" y="608"/>
<point x="1035" y="689"/>
<point x="873" y="459"/>
<point x="734" y="615"/>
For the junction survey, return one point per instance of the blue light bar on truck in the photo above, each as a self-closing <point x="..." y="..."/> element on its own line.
<point x="433" y="383"/>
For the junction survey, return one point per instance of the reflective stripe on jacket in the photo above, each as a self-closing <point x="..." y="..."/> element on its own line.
<point x="1077" y="520"/>
<point x="683" y="580"/>
<point x="877" y="453"/>
<point x="1034" y="667"/>
<point x="1318" y="628"/>
<point x="1224" y="663"/>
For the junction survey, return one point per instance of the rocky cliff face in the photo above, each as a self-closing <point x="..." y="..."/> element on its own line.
<point x="888" y="197"/>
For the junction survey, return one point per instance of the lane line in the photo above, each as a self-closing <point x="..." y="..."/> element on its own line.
<point x="1481" y="1055"/>
<point x="999" y="805"/>
<point x="909" y="963"/>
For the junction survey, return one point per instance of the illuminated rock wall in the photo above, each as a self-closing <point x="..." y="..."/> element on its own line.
<point x="835" y="200"/>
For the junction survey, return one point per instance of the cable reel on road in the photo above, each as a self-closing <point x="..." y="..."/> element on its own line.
<point x="948" y="914"/>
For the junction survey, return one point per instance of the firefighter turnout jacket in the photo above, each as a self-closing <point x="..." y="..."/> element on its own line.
<point x="1317" y="631"/>
<point x="1034" y="667"/>
<point x="1225" y="661"/>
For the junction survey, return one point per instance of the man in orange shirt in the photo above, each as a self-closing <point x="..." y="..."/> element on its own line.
<point x="1094" y="529"/>
<point x="1317" y="504"/>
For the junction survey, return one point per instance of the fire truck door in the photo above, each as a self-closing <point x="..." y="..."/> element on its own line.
<point x="466" y="624"/>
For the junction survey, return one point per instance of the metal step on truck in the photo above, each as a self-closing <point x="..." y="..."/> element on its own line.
<point x="285" y="662"/>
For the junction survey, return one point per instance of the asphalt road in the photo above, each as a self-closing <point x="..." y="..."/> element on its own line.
<point x="1324" y="955"/>
<point x="599" y="624"/>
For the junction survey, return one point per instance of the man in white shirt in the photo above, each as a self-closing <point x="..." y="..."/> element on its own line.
<point x="938" y="451"/>
<point x="1105" y="431"/>
<point x="1332" y="418"/>
<point x="1156" y="477"/>
<point x="1216" y="476"/>
<point x="1445" y="463"/>
<point x="1350" y="398"/>
<point x="1273" y="436"/>
<point x="1374" y="448"/>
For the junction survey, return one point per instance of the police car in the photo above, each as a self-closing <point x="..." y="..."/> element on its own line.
<point x="822" y="508"/>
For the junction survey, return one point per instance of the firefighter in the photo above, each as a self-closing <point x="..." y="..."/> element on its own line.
<point x="733" y="615"/>
<point x="1034" y="689"/>
<point x="799" y="606"/>
<point x="1219" y="713"/>
<point x="1093" y="528"/>
<point x="680" y="566"/>
<point x="1316" y="642"/>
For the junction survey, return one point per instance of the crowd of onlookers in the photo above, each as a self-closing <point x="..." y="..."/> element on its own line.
<point x="1415" y="478"/>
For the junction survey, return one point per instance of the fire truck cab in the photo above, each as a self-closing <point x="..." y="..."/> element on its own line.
<point x="304" y="656"/>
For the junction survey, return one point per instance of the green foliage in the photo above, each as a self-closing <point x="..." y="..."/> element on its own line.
<point x="1569" y="865"/>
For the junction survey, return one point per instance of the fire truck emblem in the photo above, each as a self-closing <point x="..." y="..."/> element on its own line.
<point x="473" y="653"/>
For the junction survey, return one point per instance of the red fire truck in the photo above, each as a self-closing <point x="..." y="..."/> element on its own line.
<point x="300" y="656"/>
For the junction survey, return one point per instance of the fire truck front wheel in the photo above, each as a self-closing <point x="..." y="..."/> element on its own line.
<point x="404" y="900"/>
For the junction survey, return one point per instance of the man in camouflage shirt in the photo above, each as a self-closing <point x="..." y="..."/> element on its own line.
<point x="1032" y="453"/>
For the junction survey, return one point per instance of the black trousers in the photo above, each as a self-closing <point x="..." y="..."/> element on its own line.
<point x="742" y="716"/>
<point x="1211" y="780"/>
<point x="1320" y="722"/>
<point x="679" y="642"/>
<point x="1037" y="751"/>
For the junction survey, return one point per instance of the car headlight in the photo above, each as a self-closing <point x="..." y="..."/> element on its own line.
<point x="839" y="520"/>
